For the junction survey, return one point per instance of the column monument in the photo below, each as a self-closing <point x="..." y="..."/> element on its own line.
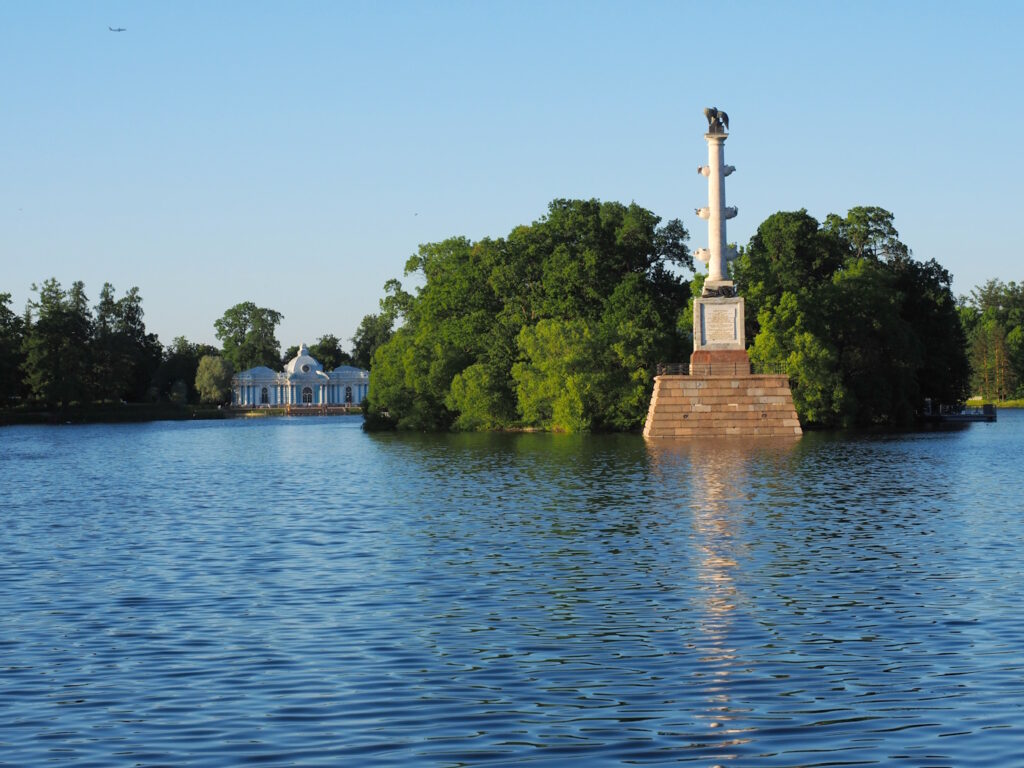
<point x="717" y="395"/>
<point x="719" y="343"/>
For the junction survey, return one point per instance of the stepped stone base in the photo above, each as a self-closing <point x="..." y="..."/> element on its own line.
<point x="721" y="406"/>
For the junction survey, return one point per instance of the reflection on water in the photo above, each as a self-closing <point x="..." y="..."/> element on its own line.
<point x="720" y="474"/>
<point x="296" y="592"/>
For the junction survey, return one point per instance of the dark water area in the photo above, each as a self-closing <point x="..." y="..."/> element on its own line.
<point x="297" y="592"/>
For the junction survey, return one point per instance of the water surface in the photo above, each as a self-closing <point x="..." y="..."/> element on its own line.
<point x="296" y="592"/>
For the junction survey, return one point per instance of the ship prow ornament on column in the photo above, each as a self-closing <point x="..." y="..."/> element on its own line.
<point x="720" y="396"/>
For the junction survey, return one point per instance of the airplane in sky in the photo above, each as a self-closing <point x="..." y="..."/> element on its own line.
<point x="119" y="29"/>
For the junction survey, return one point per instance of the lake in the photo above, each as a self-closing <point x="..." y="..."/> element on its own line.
<point x="296" y="592"/>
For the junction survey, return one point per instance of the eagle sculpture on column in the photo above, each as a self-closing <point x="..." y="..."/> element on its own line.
<point x="718" y="121"/>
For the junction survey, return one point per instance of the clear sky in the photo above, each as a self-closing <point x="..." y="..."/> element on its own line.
<point x="295" y="154"/>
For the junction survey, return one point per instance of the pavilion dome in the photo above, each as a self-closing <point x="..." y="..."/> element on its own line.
<point x="303" y="363"/>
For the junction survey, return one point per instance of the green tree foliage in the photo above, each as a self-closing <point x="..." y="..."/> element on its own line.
<point x="69" y="354"/>
<point x="289" y="354"/>
<point x="57" y="362"/>
<point x="869" y="232"/>
<point x="12" y="333"/>
<point x="865" y="331"/>
<point x="124" y="357"/>
<point x="376" y="329"/>
<point x="329" y="352"/>
<point x="247" y="333"/>
<point x="555" y="382"/>
<point x="175" y="377"/>
<point x="559" y="325"/>
<point x="993" y="321"/>
<point x="213" y="379"/>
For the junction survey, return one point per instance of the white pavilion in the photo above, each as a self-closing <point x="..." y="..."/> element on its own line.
<point x="303" y="382"/>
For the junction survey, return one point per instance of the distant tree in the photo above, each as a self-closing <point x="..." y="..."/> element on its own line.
<point x="288" y="354"/>
<point x="125" y="357"/>
<point x="869" y="232"/>
<point x="993" y="374"/>
<point x="110" y="372"/>
<point x="375" y="330"/>
<point x="143" y="351"/>
<point x="329" y="353"/>
<point x="12" y="333"/>
<point x="213" y="379"/>
<point x="56" y="345"/>
<point x="175" y="377"/>
<point x="247" y="333"/>
<point x="993" y="320"/>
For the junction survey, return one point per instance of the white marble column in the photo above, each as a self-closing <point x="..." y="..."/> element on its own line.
<point x="718" y="252"/>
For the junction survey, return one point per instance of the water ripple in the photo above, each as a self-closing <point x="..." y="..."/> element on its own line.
<point x="295" y="592"/>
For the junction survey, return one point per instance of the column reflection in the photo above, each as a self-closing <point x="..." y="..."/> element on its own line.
<point x="713" y="479"/>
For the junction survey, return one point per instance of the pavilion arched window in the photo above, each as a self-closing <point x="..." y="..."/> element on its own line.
<point x="264" y="396"/>
<point x="348" y="394"/>
<point x="307" y="395"/>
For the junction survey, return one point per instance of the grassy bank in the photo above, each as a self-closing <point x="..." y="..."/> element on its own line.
<point x="110" y="413"/>
<point x="977" y="402"/>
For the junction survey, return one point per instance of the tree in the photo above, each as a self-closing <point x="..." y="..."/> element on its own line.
<point x="143" y="351"/>
<point x="376" y="329"/>
<point x="329" y="353"/>
<point x="556" y="383"/>
<point x="175" y="377"/>
<point x="993" y="321"/>
<point x="789" y="253"/>
<point x="56" y="344"/>
<point x="373" y="331"/>
<point x="110" y="369"/>
<point x="213" y="379"/>
<point x="125" y="357"/>
<point x="865" y="331"/>
<point x="289" y="354"/>
<point x="992" y="351"/>
<point x="479" y="347"/>
<point x="247" y="333"/>
<point x="869" y="232"/>
<point x="929" y="308"/>
<point x="12" y="332"/>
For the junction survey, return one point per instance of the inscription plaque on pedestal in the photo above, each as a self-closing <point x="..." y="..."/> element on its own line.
<point x="718" y="323"/>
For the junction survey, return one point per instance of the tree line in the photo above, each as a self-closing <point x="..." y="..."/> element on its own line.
<point x="560" y="324"/>
<point x="63" y="351"/>
<point x="557" y="326"/>
<point x="866" y="332"/>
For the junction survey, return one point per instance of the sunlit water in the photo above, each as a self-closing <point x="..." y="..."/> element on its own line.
<point x="294" y="591"/>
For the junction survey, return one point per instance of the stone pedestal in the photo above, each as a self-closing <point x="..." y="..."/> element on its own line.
<point x="721" y="406"/>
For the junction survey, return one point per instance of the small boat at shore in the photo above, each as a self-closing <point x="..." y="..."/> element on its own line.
<point x="958" y="414"/>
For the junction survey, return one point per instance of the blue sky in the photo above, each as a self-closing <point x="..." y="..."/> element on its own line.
<point x="295" y="154"/>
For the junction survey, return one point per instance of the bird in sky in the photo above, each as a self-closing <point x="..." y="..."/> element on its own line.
<point x="119" y="29"/>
